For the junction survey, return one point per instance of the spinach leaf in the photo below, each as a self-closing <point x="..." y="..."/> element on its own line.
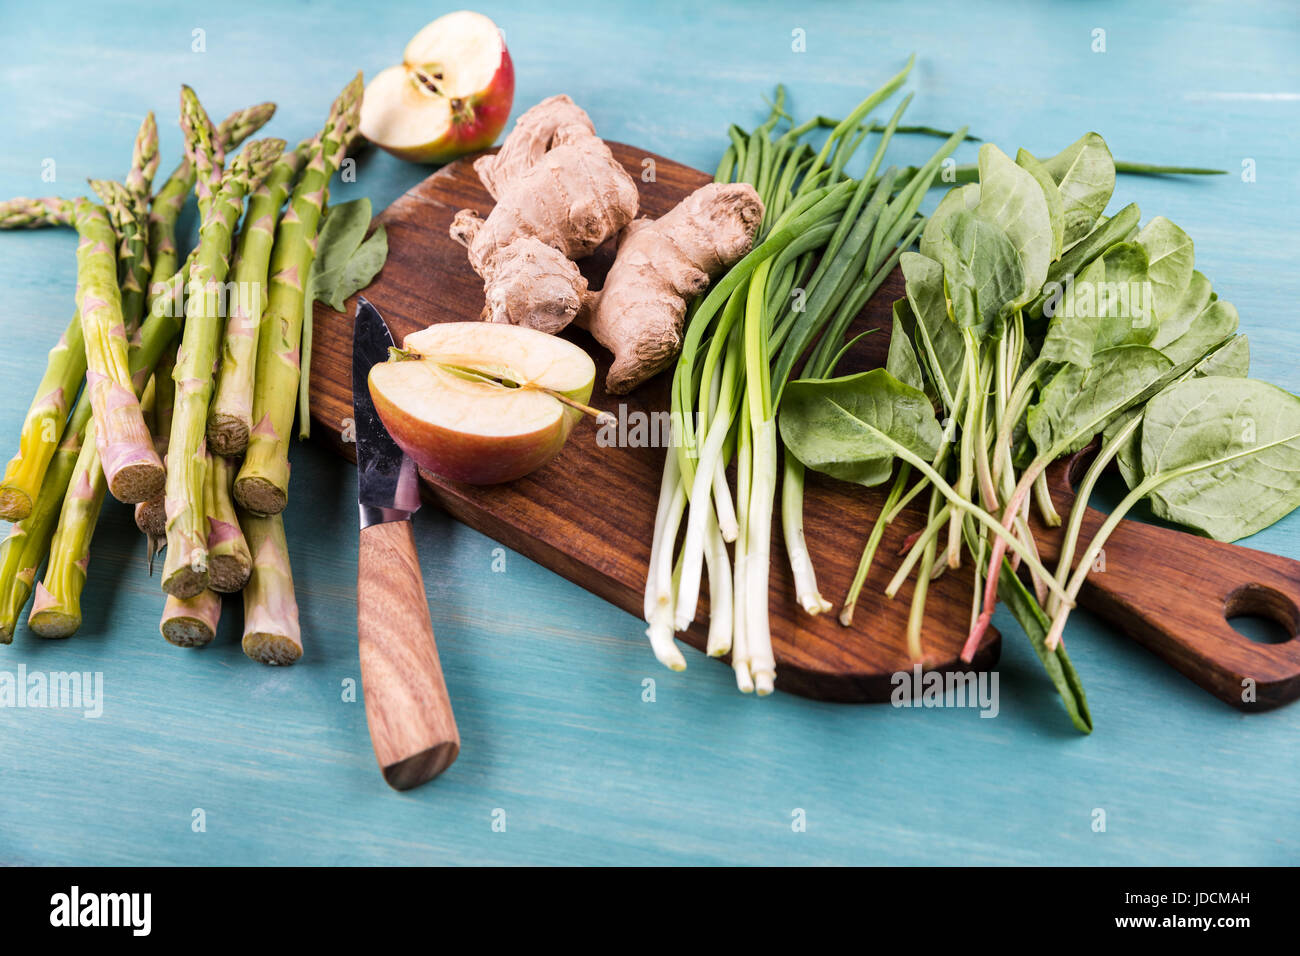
<point x="1223" y="454"/>
<point x="1212" y="327"/>
<point x="831" y="425"/>
<point x="1123" y="301"/>
<point x="360" y="270"/>
<point x="1085" y="173"/>
<point x="1172" y="257"/>
<point x="957" y="199"/>
<point x="1197" y="294"/>
<point x="1108" y="305"/>
<point x="1079" y="402"/>
<point x="1119" y="228"/>
<point x="1035" y="623"/>
<point x="344" y="264"/>
<point x="341" y="233"/>
<point x="982" y="274"/>
<point x="1012" y="200"/>
<point x="942" y="348"/>
<point x="901" y="361"/>
<point x="1231" y="359"/>
<point x="1055" y="208"/>
<point x="1072" y="331"/>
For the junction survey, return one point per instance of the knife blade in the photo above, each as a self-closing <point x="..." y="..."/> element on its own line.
<point x="388" y="484"/>
<point x="409" y="713"/>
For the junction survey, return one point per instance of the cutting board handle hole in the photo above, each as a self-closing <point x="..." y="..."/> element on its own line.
<point x="1262" y="614"/>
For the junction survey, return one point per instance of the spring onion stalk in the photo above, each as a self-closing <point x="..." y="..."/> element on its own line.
<point x="827" y="242"/>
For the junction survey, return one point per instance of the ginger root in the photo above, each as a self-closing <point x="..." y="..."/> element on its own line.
<point x="560" y="194"/>
<point x="661" y="265"/>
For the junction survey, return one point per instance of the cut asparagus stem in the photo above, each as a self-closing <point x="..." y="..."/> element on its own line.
<point x="133" y="468"/>
<point x="44" y="425"/>
<point x="185" y="569"/>
<point x="229" y="562"/>
<point x="29" y="540"/>
<point x="39" y="528"/>
<point x="263" y="482"/>
<point x="230" y="418"/>
<point x="151" y="515"/>
<point x="271" y="632"/>
<point x="191" y="622"/>
<point x="56" y="609"/>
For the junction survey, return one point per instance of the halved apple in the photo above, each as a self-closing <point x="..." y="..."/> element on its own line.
<point x="450" y="96"/>
<point x="476" y="401"/>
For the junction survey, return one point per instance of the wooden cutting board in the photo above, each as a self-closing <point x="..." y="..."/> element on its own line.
<point x="589" y="514"/>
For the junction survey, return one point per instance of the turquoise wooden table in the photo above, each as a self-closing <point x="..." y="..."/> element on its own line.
<point x="578" y="747"/>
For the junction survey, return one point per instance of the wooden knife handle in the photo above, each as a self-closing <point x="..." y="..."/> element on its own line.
<point x="407" y="707"/>
<point x="1173" y="592"/>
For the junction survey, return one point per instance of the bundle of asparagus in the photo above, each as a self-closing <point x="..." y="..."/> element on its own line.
<point x="170" y="360"/>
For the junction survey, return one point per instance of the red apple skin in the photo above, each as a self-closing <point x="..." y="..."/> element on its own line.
<point x="488" y="110"/>
<point x="461" y="456"/>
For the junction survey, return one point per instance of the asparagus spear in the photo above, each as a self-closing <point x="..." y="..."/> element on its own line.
<point x="156" y="260"/>
<point x="229" y="561"/>
<point x="185" y="571"/>
<point x="191" y="622"/>
<point x="58" y="610"/>
<point x="230" y="418"/>
<point x="133" y="468"/>
<point x="263" y="482"/>
<point x="170" y="199"/>
<point x="135" y="234"/>
<point x="35" y="213"/>
<point x="133" y="251"/>
<point x="29" y="540"/>
<point x="271" y="632"/>
<point x="44" y="425"/>
<point x="151" y="515"/>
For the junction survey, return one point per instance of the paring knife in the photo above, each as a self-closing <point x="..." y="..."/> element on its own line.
<point x="407" y="707"/>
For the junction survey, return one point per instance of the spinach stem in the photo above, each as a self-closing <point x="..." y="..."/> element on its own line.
<point x="873" y="542"/>
<point x="1069" y="541"/>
